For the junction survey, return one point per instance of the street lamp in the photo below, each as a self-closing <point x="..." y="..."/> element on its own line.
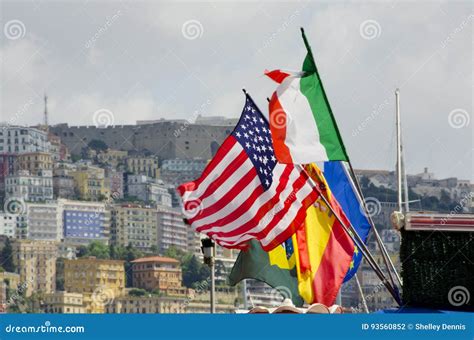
<point x="208" y="249"/>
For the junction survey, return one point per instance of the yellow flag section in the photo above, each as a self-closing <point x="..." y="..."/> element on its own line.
<point x="322" y="249"/>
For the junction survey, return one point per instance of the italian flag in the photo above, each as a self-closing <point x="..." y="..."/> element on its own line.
<point x="302" y="124"/>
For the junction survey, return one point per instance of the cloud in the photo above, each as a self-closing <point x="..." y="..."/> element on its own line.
<point x="142" y="66"/>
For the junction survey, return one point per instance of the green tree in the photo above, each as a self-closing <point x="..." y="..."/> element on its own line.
<point x="6" y="257"/>
<point x="98" y="145"/>
<point x="175" y="253"/>
<point x="96" y="249"/>
<point x="137" y="292"/>
<point x="130" y="255"/>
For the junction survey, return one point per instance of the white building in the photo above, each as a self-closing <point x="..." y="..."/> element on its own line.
<point x="33" y="188"/>
<point x="149" y="190"/>
<point x="44" y="222"/>
<point x="7" y="225"/>
<point x="19" y="139"/>
<point x="171" y="229"/>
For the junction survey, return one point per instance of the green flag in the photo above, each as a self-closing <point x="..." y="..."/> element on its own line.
<point x="276" y="268"/>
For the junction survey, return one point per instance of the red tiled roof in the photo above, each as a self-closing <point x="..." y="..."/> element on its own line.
<point x="155" y="259"/>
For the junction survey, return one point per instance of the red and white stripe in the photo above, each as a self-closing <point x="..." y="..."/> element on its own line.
<point x="229" y="204"/>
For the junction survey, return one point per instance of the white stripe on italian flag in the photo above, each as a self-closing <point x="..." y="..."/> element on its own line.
<point x="302" y="125"/>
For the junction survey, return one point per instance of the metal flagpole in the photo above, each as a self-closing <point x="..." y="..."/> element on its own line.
<point x="308" y="48"/>
<point x="388" y="261"/>
<point x="361" y="293"/>
<point x="354" y="236"/>
<point x="244" y="288"/>
<point x="357" y="241"/>
<point x="399" y="153"/>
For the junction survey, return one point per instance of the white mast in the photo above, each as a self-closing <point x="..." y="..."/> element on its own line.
<point x="399" y="153"/>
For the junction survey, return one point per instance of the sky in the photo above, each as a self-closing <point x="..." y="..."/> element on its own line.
<point x="142" y="60"/>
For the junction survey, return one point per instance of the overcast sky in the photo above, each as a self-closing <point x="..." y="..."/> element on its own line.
<point x="149" y="60"/>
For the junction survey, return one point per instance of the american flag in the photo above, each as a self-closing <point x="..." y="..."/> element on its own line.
<point x="244" y="193"/>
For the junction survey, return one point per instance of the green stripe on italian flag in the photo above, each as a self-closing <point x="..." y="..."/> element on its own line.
<point x="302" y="124"/>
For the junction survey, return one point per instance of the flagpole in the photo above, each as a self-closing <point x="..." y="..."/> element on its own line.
<point x="357" y="241"/>
<point x="387" y="259"/>
<point x="361" y="293"/>
<point x="353" y="235"/>
<point x="384" y="252"/>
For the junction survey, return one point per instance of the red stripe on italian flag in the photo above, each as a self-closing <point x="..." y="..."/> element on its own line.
<point x="302" y="124"/>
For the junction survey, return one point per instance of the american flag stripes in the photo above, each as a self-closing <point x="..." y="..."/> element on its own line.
<point x="244" y="193"/>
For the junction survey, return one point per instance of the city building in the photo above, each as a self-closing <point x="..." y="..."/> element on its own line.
<point x="134" y="224"/>
<point x="167" y="139"/>
<point x="114" y="183"/>
<point x="44" y="222"/>
<point x="21" y="139"/>
<point x="63" y="303"/>
<point x="100" y="281"/>
<point x="90" y="183"/>
<point x="84" y="222"/>
<point x="178" y="171"/>
<point x="64" y="186"/>
<point x="112" y="157"/>
<point x="36" y="263"/>
<point x="148" y="189"/>
<point x="171" y="229"/>
<point x="34" y="162"/>
<point x="30" y="187"/>
<point x="143" y="165"/>
<point x="7" y="168"/>
<point x="150" y="304"/>
<point x="7" y="225"/>
<point x="58" y="150"/>
<point x="156" y="273"/>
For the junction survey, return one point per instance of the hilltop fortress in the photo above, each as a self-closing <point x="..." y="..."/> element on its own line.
<point x="167" y="139"/>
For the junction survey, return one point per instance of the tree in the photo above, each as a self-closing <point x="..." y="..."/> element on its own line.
<point x="98" y="145"/>
<point x="130" y="255"/>
<point x="175" y="253"/>
<point x="191" y="271"/>
<point x="137" y="292"/>
<point x="6" y="257"/>
<point x="96" y="249"/>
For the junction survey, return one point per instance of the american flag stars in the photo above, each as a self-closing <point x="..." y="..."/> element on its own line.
<point x="253" y="133"/>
